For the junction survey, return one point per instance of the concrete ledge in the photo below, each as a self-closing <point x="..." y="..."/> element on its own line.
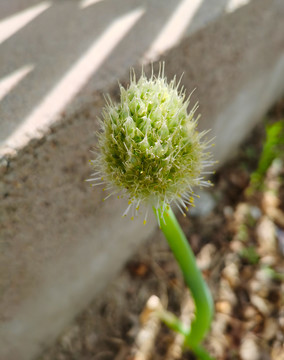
<point x="60" y="245"/>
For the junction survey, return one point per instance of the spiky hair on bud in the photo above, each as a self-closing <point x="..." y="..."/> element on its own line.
<point x="149" y="147"/>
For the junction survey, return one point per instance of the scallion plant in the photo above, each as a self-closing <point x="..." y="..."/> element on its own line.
<point x="151" y="152"/>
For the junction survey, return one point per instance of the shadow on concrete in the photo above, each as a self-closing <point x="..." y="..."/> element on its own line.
<point x="56" y="39"/>
<point x="207" y="11"/>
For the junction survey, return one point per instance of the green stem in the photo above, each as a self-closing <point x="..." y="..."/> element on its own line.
<point x="193" y="278"/>
<point x="201" y="353"/>
<point x="176" y="325"/>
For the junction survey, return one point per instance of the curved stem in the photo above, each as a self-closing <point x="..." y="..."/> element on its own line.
<point x="192" y="275"/>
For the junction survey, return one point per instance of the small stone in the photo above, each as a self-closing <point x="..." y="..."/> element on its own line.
<point x="262" y="305"/>
<point x="281" y="322"/>
<point x="241" y="213"/>
<point x="228" y="212"/>
<point x="268" y="260"/>
<point x="224" y="307"/>
<point x="231" y="273"/>
<point x="237" y="246"/>
<point x="218" y="344"/>
<point x="249" y="312"/>
<point x="259" y="288"/>
<point x="266" y="238"/>
<point x="227" y="293"/>
<point x="277" y="352"/>
<point x="249" y="349"/>
<point x="269" y="201"/>
<point x="263" y="276"/>
<point x="231" y="258"/>
<point x="270" y="329"/>
<point x="254" y="286"/>
<point x="205" y="256"/>
<point x="219" y="324"/>
<point x="255" y="212"/>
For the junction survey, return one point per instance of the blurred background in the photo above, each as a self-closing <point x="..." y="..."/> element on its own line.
<point x="62" y="248"/>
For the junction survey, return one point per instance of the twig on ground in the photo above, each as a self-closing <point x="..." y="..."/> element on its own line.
<point x="187" y="310"/>
<point x="145" y="340"/>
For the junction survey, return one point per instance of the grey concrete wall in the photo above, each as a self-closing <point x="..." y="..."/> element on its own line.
<point x="60" y="244"/>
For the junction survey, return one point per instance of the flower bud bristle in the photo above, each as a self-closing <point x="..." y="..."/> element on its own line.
<point x="149" y="145"/>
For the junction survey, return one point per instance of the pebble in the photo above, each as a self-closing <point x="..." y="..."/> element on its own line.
<point x="227" y="293"/>
<point x="223" y="307"/>
<point x="270" y="329"/>
<point x="204" y="258"/>
<point x="254" y="285"/>
<point x="219" y="325"/>
<point x="257" y="287"/>
<point x="231" y="273"/>
<point x="255" y="212"/>
<point x="268" y="260"/>
<point x="263" y="276"/>
<point x="232" y="258"/>
<point x="241" y="213"/>
<point x="249" y="312"/>
<point x="253" y="317"/>
<point x="249" y="349"/>
<point x="266" y="238"/>
<point x="228" y="212"/>
<point x="277" y="352"/>
<point x="281" y="322"/>
<point x="262" y="305"/>
<point x="219" y="345"/>
<point x="237" y="246"/>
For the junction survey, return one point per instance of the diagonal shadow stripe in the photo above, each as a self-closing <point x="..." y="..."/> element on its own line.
<point x="72" y="82"/>
<point x="9" y="8"/>
<point x="86" y="3"/>
<point x="12" y="24"/>
<point x="11" y="81"/>
<point x="53" y="48"/>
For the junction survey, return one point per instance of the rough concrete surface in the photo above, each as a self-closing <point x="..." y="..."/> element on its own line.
<point x="60" y="244"/>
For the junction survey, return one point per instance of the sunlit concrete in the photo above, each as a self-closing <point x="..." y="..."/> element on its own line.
<point x="66" y="89"/>
<point x="85" y="3"/>
<point x="48" y="45"/>
<point x="10" y="81"/>
<point x="173" y="30"/>
<point x="235" y="4"/>
<point x="11" y="25"/>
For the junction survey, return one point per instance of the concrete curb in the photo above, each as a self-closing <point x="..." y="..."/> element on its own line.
<point x="60" y="245"/>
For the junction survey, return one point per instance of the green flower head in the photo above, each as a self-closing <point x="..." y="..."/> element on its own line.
<point x="149" y="147"/>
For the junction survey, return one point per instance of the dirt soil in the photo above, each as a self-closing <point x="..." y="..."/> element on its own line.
<point x="239" y="244"/>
